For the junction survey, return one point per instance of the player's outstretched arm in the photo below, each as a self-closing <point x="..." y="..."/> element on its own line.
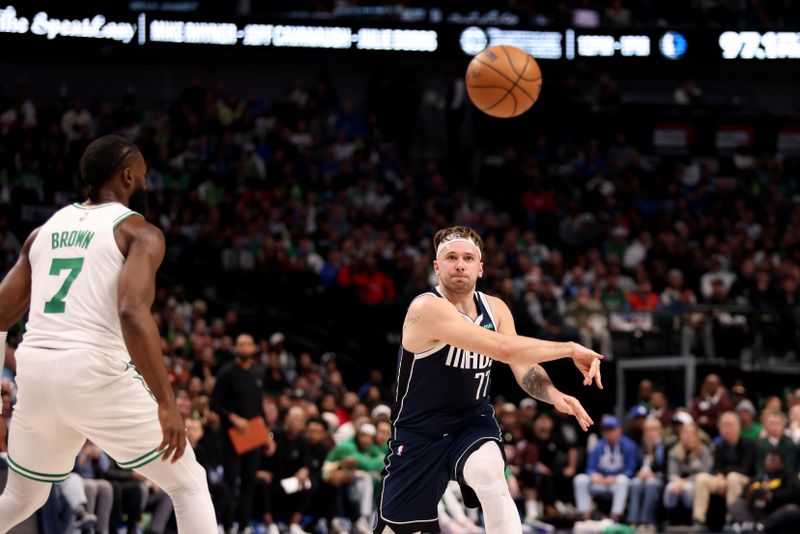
<point x="144" y="253"/>
<point x="533" y="379"/>
<point x="432" y="320"/>
<point x="15" y="289"/>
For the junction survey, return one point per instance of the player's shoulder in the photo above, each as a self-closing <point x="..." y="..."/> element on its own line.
<point x="426" y="301"/>
<point x="137" y="231"/>
<point x="497" y="305"/>
<point x="140" y="229"/>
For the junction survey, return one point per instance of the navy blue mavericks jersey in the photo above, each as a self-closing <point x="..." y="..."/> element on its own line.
<point x="440" y="390"/>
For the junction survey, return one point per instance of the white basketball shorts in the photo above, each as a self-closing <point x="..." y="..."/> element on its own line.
<point x="67" y="396"/>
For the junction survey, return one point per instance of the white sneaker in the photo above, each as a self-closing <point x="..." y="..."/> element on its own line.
<point x="272" y="528"/>
<point x="362" y="526"/>
<point x="294" y="528"/>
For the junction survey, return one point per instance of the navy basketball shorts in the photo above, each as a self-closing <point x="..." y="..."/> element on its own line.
<point x="417" y="473"/>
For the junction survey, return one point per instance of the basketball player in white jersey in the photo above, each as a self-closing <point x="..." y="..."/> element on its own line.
<point x="90" y="363"/>
<point x="444" y="425"/>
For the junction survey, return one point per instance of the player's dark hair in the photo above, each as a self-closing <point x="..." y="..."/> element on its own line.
<point x="103" y="159"/>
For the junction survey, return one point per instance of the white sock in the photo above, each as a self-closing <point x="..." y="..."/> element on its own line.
<point x="21" y="498"/>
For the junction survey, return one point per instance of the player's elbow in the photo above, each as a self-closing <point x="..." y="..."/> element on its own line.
<point x="132" y="317"/>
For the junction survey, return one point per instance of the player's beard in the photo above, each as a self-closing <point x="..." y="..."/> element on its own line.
<point x="138" y="201"/>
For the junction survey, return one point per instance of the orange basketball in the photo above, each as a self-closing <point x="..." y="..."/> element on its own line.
<point x="503" y="81"/>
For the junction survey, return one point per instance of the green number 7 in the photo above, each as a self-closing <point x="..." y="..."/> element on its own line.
<point x="74" y="266"/>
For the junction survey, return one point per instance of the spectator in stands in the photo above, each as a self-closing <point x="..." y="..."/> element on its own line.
<point x="776" y="440"/>
<point x="363" y="461"/>
<point x="556" y="466"/>
<point x="319" y="444"/>
<point x="710" y="403"/>
<point x="637" y="251"/>
<point x="237" y="399"/>
<point x="547" y="309"/>
<point x="220" y="492"/>
<point x="794" y="424"/>
<point x="646" y="487"/>
<point x="659" y="408"/>
<point x="91" y="464"/>
<point x="719" y="271"/>
<point x="609" y="470"/>
<point x="770" y="500"/>
<point x="751" y="429"/>
<point x="128" y="496"/>
<point x="290" y="467"/>
<point x="729" y="328"/>
<point x="734" y="464"/>
<point x="643" y="299"/>
<point x="612" y="296"/>
<point x="687" y="460"/>
<point x="634" y="428"/>
<point x="670" y="301"/>
<point x="585" y="314"/>
<point x="527" y="412"/>
<point x="371" y="284"/>
<point x="288" y="363"/>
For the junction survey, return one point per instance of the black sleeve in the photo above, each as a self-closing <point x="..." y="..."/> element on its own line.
<point x="306" y="455"/>
<point x="748" y="459"/>
<point x="220" y="397"/>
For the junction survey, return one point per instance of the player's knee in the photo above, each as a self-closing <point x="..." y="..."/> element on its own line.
<point x="622" y="481"/>
<point x="485" y="467"/>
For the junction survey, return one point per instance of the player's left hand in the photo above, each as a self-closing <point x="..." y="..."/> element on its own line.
<point x="588" y="363"/>
<point x="572" y="406"/>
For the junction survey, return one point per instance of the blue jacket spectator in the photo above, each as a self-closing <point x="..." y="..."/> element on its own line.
<point x="611" y="466"/>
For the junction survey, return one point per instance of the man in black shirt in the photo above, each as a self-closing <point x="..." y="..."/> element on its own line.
<point x="291" y="470"/>
<point x="236" y="399"/>
<point x="557" y="463"/>
<point x="734" y="464"/>
<point x="770" y="498"/>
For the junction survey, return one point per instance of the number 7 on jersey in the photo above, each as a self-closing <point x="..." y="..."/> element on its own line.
<point x="74" y="266"/>
<point x="483" y="382"/>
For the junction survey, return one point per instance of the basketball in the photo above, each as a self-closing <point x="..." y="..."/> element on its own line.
<point x="503" y="81"/>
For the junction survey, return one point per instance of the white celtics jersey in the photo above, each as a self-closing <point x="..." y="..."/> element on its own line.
<point x="75" y="268"/>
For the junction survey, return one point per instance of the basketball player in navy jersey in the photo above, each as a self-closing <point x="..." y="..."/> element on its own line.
<point x="444" y="424"/>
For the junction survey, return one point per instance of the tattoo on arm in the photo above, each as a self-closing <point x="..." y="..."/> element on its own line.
<point x="536" y="383"/>
<point x="414" y="319"/>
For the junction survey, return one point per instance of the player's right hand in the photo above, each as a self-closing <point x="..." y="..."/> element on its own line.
<point x="174" y="440"/>
<point x="588" y="363"/>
